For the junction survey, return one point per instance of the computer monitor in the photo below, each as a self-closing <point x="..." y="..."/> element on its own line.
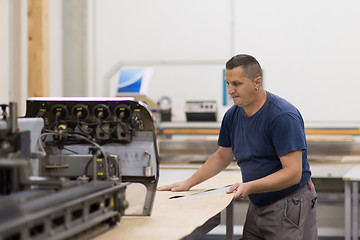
<point x="133" y="81"/>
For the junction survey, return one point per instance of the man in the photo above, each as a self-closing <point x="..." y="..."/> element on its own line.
<point x="265" y="134"/>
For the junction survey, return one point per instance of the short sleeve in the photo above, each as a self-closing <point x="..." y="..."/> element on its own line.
<point x="288" y="134"/>
<point x="224" y="139"/>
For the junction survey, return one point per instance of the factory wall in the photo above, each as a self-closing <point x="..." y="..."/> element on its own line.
<point x="185" y="34"/>
<point x="308" y="50"/>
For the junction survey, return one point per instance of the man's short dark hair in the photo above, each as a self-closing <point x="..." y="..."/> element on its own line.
<point x="251" y="66"/>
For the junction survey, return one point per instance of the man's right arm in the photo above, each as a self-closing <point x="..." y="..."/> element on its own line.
<point x="215" y="164"/>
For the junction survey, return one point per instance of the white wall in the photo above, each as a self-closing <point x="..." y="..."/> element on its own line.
<point x="310" y="52"/>
<point x="160" y="30"/>
<point x="56" y="48"/>
<point x="309" y="49"/>
<point x="4" y="51"/>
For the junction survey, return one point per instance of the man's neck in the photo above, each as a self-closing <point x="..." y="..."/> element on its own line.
<point x="260" y="100"/>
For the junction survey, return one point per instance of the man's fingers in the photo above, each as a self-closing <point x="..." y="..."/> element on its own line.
<point x="233" y="188"/>
<point x="175" y="189"/>
<point x="238" y="196"/>
<point x="165" y="188"/>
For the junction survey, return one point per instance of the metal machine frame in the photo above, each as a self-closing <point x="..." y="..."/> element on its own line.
<point x="121" y="129"/>
<point x="91" y="150"/>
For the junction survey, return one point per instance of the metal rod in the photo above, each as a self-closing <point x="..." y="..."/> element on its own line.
<point x="347" y="210"/>
<point x="13" y="117"/>
<point x="230" y="221"/>
<point x="355" y="202"/>
<point x="94" y="167"/>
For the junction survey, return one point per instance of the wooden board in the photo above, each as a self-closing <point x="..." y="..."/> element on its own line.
<point x="176" y="218"/>
<point x="38" y="48"/>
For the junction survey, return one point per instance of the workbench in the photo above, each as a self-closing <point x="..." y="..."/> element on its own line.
<point x="186" y="217"/>
<point x="351" y="179"/>
<point x="213" y="128"/>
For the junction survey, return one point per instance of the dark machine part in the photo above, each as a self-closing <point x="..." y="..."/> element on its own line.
<point x="101" y="111"/>
<point x="41" y="214"/>
<point x="73" y="166"/>
<point x="3" y="109"/>
<point x="123" y="112"/>
<point x="80" y="111"/>
<point x="59" y="111"/>
<point x="14" y="152"/>
<point x="165" y="108"/>
<point x="12" y="121"/>
<point x="101" y="117"/>
<point x="122" y="130"/>
<point x="201" y="111"/>
<point x="43" y="207"/>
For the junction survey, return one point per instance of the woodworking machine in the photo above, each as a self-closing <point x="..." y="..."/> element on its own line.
<point x="84" y="163"/>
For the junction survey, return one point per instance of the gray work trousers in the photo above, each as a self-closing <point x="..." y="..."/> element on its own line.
<point x="293" y="217"/>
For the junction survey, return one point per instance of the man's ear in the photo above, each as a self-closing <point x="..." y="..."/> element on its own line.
<point x="258" y="81"/>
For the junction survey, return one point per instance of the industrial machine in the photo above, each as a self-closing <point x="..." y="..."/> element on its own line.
<point x="201" y="111"/>
<point x="98" y="161"/>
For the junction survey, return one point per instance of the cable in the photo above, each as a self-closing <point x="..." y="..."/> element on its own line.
<point x="79" y="136"/>
<point x="40" y="142"/>
<point x="69" y="150"/>
<point x="96" y="145"/>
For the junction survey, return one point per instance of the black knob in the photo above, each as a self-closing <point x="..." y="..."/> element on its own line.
<point x="80" y="111"/>
<point x="101" y="111"/>
<point x="59" y="111"/>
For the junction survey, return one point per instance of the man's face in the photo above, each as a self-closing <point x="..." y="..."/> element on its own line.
<point x="240" y="88"/>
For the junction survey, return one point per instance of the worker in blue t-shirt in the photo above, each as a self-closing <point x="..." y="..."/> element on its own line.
<point x="266" y="136"/>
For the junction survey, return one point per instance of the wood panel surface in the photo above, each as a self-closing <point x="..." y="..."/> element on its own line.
<point x="176" y="218"/>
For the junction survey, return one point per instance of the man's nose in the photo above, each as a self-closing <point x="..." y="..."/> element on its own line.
<point x="230" y="90"/>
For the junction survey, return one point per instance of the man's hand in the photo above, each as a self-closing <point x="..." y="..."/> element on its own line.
<point x="175" y="187"/>
<point x="239" y="189"/>
<point x="215" y="164"/>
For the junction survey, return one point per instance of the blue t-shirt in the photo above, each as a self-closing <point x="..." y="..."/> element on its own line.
<point x="259" y="141"/>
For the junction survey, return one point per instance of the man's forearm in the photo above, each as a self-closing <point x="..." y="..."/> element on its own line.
<point x="215" y="164"/>
<point x="274" y="182"/>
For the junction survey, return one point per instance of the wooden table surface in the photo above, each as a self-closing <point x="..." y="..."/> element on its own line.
<point x="176" y="218"/>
